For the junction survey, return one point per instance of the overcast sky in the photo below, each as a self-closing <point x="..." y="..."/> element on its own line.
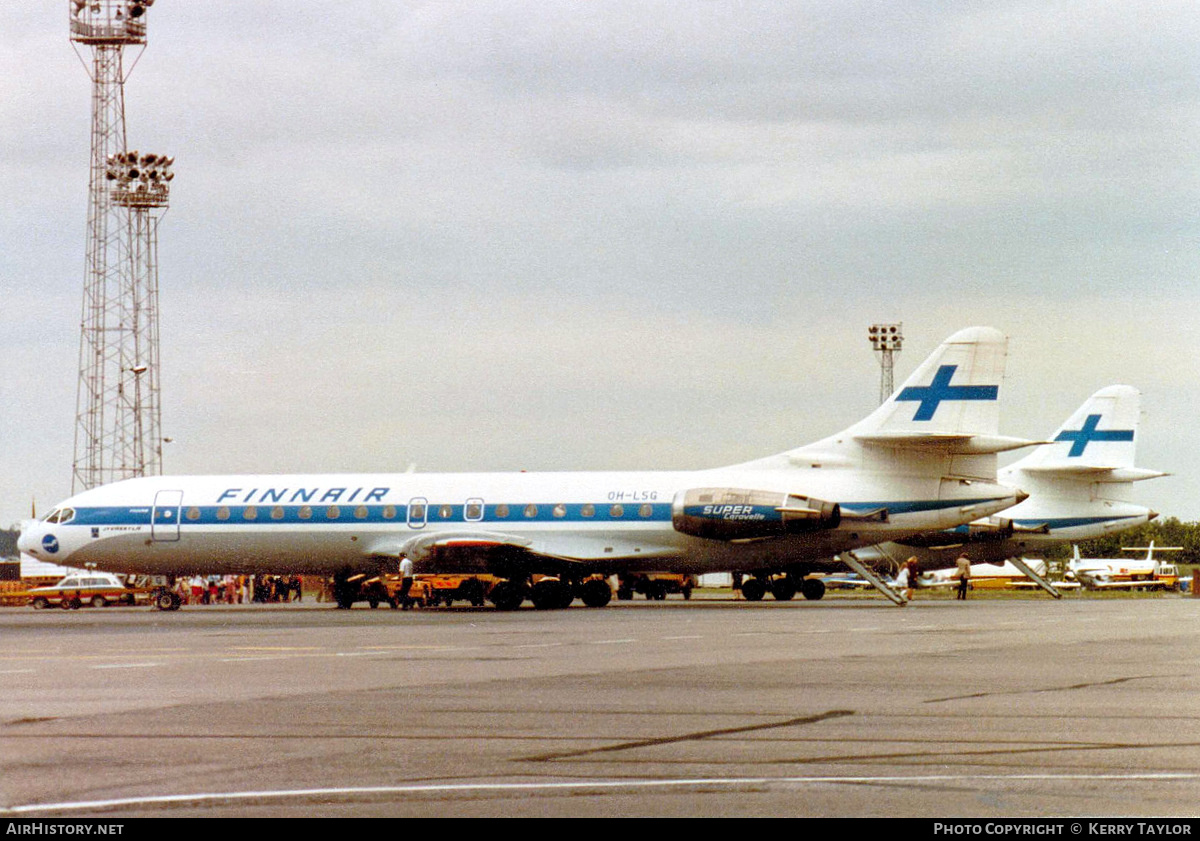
<point x="541" y="235"/>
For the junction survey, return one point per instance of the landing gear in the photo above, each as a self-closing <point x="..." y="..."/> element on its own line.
<point x="753" y="589"/>
<point x="812" y="588"/>
<point x="596" y="592"/>
<point x="551" y="594"/>
<point x="783" y="588"/>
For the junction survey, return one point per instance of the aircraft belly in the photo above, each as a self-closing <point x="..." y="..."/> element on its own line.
<point x="314" y="552"/>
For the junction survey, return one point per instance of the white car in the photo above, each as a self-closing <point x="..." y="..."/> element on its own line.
<point x="97" y="589"/>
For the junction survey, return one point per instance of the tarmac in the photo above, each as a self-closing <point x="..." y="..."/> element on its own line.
<point x="849" y="706"/>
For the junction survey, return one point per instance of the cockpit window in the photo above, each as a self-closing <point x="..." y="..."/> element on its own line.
<point x="60" y="516"/>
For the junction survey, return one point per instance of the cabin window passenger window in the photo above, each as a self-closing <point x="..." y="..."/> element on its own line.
<point x="446" y="512"/>
<point x="617" y="511"/>
<point x="277" y="513"/>
<point x="588" y="510"/>
<point x="474" y="511"/>
<point x="416" y="512"/>
<point x="332" y="512"/>
<point x="305" y="512"/>
<point x="389" y="512"/>
<point x="360" y="513"/>
<point x="502" y="512"/>
<point x="646" y="510"/>
<point x="249" y="513"/>
<point x="193" y="514"/>
<point x="531" y="510"/>
<point x="222" y="513"/>
<point x="560" y="510"/>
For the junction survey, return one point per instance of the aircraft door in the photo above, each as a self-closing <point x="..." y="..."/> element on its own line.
<point x="164" y="516"/>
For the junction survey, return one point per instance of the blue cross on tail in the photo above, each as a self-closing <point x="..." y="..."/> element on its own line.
<point x="930" y="396"/>
<point x="1080" y="438"/>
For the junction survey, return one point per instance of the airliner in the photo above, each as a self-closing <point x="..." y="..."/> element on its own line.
<point x="925" y="460"/>
<point x="1079" y="484"/>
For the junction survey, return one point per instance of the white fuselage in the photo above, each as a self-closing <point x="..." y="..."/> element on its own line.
<point x="604" y="522"/>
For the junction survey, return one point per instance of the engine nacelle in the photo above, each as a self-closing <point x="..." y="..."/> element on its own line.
<point x="737" y="514"/>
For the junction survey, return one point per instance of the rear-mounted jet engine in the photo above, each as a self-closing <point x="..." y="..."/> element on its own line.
<point x="736" y="514"/>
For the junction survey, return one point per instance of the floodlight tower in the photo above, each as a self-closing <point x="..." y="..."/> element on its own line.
<point x="886" y="340"/>
<point x="117" y="346"/>
<point x="142" y="186"/>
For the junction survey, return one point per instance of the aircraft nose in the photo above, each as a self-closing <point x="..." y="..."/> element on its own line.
<point x="26" y="541"/>
<point x="1021" y="496"/>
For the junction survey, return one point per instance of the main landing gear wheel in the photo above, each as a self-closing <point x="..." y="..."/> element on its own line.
<point x="783" y="589"/>
<point x="812" y="588"/>
<point x="595" y="593"/>
<point x="753" y="589"/>
<point x="551" y="595"/>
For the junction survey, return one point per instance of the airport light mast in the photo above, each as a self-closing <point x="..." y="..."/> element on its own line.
<point x="117" y="401"/>
<point x="142" y="185"/>
<point x="886" y="340"/>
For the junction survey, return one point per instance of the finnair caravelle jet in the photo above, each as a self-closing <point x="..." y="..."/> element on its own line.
<point x="1079" y="484"/>
<point x="924" y="460"/>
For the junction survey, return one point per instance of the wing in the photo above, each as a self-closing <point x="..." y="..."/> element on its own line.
<point x="505" y="555"/>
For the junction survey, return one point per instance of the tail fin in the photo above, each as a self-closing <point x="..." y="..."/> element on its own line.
<point x="955" y="390"/>
<point x="1098" y="443"/>
<point x="951" y="403"/>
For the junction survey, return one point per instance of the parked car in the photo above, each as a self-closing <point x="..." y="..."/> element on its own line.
<point x="96" y="589"/>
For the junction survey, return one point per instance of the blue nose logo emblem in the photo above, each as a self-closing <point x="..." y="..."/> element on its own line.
<point x="50" y="543"/>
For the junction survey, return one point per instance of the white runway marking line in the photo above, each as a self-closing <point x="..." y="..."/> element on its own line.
<point x="611" y="642"/>
<point x="691" y="637"/>
<point x="125" y="666"/>
<point x="590" y="785"/>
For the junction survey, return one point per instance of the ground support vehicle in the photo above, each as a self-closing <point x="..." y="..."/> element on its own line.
<point x="447" y="589"/>
<point x="655" y="586"/>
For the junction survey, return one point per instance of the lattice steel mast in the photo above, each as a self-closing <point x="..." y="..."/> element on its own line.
<point x="117" y="414"/>
<point x="886" y="340"/>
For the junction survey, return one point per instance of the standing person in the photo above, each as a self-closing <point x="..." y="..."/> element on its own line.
<point x="406" y="581"/>
<point x="901" y="582"/>
<point x="964" y="575"/>
<point x="914" y="569"/>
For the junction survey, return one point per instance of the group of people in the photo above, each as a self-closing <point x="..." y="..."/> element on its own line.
<point x="239" y="589"/>
<point x="906" y="579"/>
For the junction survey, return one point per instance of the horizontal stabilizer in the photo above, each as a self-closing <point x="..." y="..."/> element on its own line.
<point x="948" y="443"/>
<point x="1095" y="473"/>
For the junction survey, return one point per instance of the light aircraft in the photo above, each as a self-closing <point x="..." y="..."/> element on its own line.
<point x="1079" y="486"/>
<point x="1126" y="573"/>
<point x="924" y="460"/>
